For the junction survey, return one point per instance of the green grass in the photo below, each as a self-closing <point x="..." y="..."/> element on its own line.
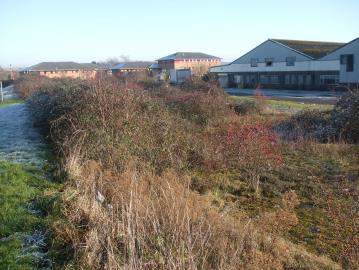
<point x="309" y="171"/>
<point x="292" y="105"/>
<point x="22" y="192"/>
<point x="10" y="101"/>
<point x="285" y="105"/>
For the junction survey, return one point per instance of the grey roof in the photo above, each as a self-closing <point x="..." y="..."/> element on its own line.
<point x="188" y="55"/>
<point x="344" y="45"/>
<point x="133" y="65"/>
<point x="313" y="49"/>
<point x="154" y="66"/>
<point x="50" y="66"/>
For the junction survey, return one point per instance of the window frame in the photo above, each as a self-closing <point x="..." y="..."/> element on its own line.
<point x="269" y="62"/>
<point x="254" y="62"/>
<point x="290" y="61"/>
<point x="349" y="64"/>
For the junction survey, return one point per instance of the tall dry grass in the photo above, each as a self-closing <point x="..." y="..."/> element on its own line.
<point x="128" y="202"/>
<point x="139" y="220"/>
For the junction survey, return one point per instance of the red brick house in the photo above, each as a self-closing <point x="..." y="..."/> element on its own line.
<point x="65" y="69"/>
<point x="198" y="63"/>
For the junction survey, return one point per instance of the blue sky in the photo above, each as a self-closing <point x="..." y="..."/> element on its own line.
<point x="33" y="31"/>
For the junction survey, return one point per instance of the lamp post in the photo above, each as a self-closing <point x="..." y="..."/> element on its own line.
<point x="1" y="92"/>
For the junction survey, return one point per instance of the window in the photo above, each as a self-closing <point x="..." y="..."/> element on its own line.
<point x="348" y="61"/>
<point x="290" y="61"/>
<point x="269" y="62"/>
<point x="269" y="79"/>
<point x="254" y="62"/>
<point x="287" y="79"/>
<point x="294" y="79"/>
<point x="308" y="79"/>
<point x="329" y="79"/>
<point x="300" y="79"/>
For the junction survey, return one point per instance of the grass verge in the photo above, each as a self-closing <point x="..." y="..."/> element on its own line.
<point x="287" y="106"/>
<point x="25" y="200"/>
<point x="10" y="101"/>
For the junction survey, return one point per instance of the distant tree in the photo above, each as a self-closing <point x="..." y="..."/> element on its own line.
<point x="112" y="61"/>
<point x="125" y="58"/>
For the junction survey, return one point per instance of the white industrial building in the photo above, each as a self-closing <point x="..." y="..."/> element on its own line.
<point x="348" y="56"/>
<point x="293" y="64"/>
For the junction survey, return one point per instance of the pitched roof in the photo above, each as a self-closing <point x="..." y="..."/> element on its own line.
<point x="49" y="66"/>
<point x="133" y="65"/>
<point x="344" y="45"/>
<point x="313" y="49"/>
<point x="154" y="66"/>
<point x="188" y="55"/>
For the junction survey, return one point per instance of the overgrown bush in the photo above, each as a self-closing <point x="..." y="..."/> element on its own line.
<point x="246" y="145"/>
<point x="307" y="124"/>
<point x="130" y="154"/>
<point x="196" y="100"/>
<point x="25" y="85"/>
<point x="345" y="117"/>
<point x="247" y="106"/>
<point x="342" y="123"/>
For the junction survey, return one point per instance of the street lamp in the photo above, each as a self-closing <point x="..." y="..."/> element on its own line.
<point x="1" y="92"/>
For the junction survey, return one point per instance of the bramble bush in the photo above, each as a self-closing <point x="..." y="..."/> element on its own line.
<point x="339" y="124"/>
<point x="250" y="146"/>
<point x="247" y="106"/>
<point x="345" y="117"/>
<point x="130" y="152"/>
<point x="307" y="124"/>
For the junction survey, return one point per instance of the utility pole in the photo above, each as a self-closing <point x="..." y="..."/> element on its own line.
<point x="1" y="92"/>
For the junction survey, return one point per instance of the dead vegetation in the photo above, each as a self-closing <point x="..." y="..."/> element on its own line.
<point x="147" y="184"/>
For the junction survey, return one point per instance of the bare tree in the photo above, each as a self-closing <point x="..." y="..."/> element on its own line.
<point x="112" y="61"/>
<point x="125" y="58"/>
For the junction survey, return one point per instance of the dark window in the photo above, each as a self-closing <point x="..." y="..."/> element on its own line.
<point x="269" y="79"/>
<point x="290" y="61"/>
<point x="254" y="62"/>
<point x="287" y="79"/>
<point x="269" y="62"/>
<point x="329" y="79"/>
<point x="300" y="79"/>
<point x="348" y="61"/>
<point x="308" y="79"/>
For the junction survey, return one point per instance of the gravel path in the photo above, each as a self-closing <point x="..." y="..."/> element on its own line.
<point x="20" y="142"/>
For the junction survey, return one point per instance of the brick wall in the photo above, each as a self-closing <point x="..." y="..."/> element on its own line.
<point x="82" y="74"/>
<point x="197" y="66"/>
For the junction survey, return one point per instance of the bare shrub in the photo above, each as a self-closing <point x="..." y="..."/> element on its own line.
<point x="143" y="214"/>
<point x="249" y="146"/>
<point x="247" y="106"/>
<point x="139" y="220"/>
<point x="345" y="117"/>
<point x="307" y="124"/>
<point x="26" y="85"/>
<point x="198" y="101"/>
<point x="341" y="123"/>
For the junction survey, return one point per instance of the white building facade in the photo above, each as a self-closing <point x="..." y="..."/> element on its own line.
<point x="286" y="64"/>
<point x="348" y="56"/>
